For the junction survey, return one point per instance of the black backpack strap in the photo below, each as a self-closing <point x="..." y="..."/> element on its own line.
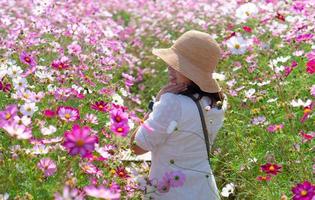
<point x="204" y="127"/>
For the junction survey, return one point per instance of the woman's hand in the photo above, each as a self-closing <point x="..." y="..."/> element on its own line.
<point x="172" y="88"/>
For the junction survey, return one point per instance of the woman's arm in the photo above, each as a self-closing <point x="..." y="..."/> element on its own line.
<point x="134" y="147"/>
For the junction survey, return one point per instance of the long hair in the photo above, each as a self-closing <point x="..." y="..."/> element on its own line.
<point x="216" y="98"/>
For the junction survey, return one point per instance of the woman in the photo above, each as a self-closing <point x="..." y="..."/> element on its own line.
<point x="186" y="116"/>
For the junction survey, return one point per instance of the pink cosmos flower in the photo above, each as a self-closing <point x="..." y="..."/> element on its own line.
<point x="7" y="115"/>
<point x="5" y="87"/>
<point x="60" y="64"/>
<point x="49" y="113"/>
<point x="270" y="168"/>
<point x="48" y="166"/>
<point x="307" y="111"/>
<point x="120" y="129"/>
<point x="19" y="131"/>
<point x="310" y="66"/>
<point x="304" y="37"/>
<point x="303" y="191"/>
<point x="313" y="90"/>
<point x="264" y="178"/>
<point x="101" y="192"/>
<point x="118" y="116"/>
<point x="68" y="113"/>
<point x="100" y="106"/>
<point x="274" y="127"/>
<point x="79" y="140"/>
<point x="70" y="193"/>
<point x="74" y="48"/>
<point x="27" y="59"/>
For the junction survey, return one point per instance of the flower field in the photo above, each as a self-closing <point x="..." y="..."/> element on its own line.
<point x="76" y="78"/>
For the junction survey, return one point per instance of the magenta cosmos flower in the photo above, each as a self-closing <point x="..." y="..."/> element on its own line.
<point x="48" y="166"/>
<point x="120" y="129"/>
<point x="79" y="140"/>
<point x="118" y="116"/>
<point x="304" y="191"/>
<point x="27" y="59"/>
<point x="274" y="127"/>
<point x="270" y="168"/>
<point x="60" y="64"/>
<point x="310" y="66"/>
<point x="68" y="113"/>
<point x="100" y="106"/>
<point x="7" y="115"/>
<point x="101" y="192"/>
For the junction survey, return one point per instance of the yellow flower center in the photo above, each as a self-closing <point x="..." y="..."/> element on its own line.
<point x="67" y="116"/>
<point x="307" y="110"/>
<point x="247" y="13"/>
<point x="271" y="168"/>
<point x="60" y="66"/>
<point x="101" y="106"/>
<point x="80" y="143"/>
<point x="237" y="46"/>
<point x="118" y="119"/>
<point x="27" y="59"/>
<point x="8" y="116"/>
<point x="264" y="178"/>
<point x="112" y="171"/>
<point x="303" y="192"/>
<point x="120" y="129"/>
<point x="26" y="96"/>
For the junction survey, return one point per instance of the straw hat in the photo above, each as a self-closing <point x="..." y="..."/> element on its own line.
<point x="195" y="55"/>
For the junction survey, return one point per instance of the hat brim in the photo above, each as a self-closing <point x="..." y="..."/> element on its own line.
<point x="178" y="62"/>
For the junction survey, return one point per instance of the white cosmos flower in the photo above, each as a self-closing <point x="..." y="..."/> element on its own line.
<point x="3" y="70"/>
<point x="28" y="109"/>
<point x="19" y="83"/>
<point x="237" y="45"/>
<point x="25" y="120"/>
<point x="117" y="99"/>
<point x="48" y="130"/>
<point x="246" y="10"/>
<point x="299" y="102"/>
<point x="249" y="93"/>
<point x="218" y="76"/>
<point x="228" y="189"/>
<point x="14" y="71"/>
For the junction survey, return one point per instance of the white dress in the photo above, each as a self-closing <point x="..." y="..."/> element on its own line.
<point x="174" y="135"/>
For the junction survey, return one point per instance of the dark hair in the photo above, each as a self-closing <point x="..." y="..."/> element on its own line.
<point x="216" y="98"/>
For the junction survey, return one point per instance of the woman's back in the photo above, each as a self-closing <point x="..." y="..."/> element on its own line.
<point x="176" y="140"/>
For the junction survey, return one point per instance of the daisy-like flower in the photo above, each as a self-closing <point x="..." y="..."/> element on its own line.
<point x="310" y="66"/>
<point x="304" y="191"/>
<point x="120" y="129"/>
<point x="117" y="99"/>
<point x="270" y="168"/>
<point x="258" y="120"/>
<point x="299" y="102"/>
<point x="101" y="192"/>
<point x="27" y="58"/>
<point x="8" y="114"/>
<point x="246" y="10"/>
<point x="68" y="113"/>
<point x="74" y="48"/>
<point x="228" y="189"/>
<point x="274" y="127"/>
<point x="25" y="120"/>
<point x="313" y="90"/>
<point x="79" y="140"/>
<point x="264" y="178"/>
<point x="121" y="172"/>
<point x="14" y="71"/>
<point x="70" y="193"/>
<point x="237" y="45"/>
<point x="28" y="109"/>
<point x="100" y="106"/>
<point x="48" y="130"/>
<point x="60" y="64"/>
<point x="19" y="83"/>
<point x="48" y="166"/>
<point x="91" y="118"/>
<point x="118" y="116"/>
<point x="21" y="132"/>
